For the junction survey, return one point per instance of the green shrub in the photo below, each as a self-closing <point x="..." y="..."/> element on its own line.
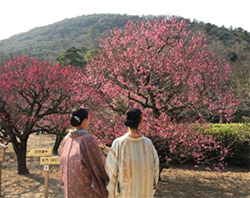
<point x="236" y="137"/>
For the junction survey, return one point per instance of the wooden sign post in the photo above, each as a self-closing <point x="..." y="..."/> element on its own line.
<point x="46" y="181"/>
<point x="2" y="155"/>
<point x="46" y="159"/>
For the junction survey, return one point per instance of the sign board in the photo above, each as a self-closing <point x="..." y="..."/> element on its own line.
<point x="49" y="160"/>
<point x="2" y="151"/>
<point x="39" y="152"/>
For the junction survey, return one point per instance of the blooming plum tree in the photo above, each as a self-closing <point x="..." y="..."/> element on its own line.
<point x="31" y="92"/>
<point x="160" y="66"/>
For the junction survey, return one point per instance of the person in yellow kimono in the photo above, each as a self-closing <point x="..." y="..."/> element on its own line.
<point x="132" y="163"/>
<point x="82" y="161"/>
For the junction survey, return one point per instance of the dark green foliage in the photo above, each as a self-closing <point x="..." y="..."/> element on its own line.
<point x="90" y="55"/>
<point x="72" y="57"/>
<point x="232" y="56"/>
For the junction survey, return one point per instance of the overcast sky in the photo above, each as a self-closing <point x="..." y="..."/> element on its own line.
<point x="17" y="16"/>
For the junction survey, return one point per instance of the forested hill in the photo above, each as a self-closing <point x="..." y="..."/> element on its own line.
<point x="50" y="41"/>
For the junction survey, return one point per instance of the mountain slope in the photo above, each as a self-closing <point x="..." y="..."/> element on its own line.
<point x="50" y="41"/>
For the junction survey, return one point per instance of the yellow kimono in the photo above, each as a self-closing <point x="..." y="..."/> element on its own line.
<point x="133" y="168"/>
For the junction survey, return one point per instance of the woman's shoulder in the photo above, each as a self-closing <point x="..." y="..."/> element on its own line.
<point x="147" y="140"/>
<point x="89" y="138"/>
<point x="88" y="141"/>
<point x="119" y="140"/>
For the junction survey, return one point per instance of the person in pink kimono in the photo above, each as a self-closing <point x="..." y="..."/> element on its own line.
<point x="82" y="162"/>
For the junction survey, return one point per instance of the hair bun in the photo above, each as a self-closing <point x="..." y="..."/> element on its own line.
<point x="133" y="118"/>
<point x="78" y="116"/>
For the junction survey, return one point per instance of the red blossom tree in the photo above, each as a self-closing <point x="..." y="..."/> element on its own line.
<point x="31" y="93"/>
<point x="59" y="124"/>
<point x="160" y="66"/>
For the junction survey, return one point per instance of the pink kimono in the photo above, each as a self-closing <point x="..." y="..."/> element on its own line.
<point x="82" y="166"/>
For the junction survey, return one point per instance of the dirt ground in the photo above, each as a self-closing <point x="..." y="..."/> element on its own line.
<point x="176" y="181"/>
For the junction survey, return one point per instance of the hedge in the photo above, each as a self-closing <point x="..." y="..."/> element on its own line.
<point x="236" y="137"/>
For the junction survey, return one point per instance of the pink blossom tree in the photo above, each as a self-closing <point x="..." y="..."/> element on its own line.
<point x="31" y="92"/>
<point x="161" y="67"/>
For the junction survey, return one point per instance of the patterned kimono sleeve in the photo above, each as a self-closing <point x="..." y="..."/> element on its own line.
<point x="112" y="168"/>
<point x="98" y="159"/>
<point x="94" y="160"/>
<point x="156" y="165"/>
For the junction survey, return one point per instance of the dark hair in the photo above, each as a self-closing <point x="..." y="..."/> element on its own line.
<point x="133" y="118"/>
<point x="78" y="116"/>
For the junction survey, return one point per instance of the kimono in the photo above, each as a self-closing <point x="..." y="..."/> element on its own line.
<point x="132" y="165"/>
<point x="82" y="165"/>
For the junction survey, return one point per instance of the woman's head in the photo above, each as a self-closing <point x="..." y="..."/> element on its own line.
<point x="79" y="116"/>
<point x="134" y="118"/>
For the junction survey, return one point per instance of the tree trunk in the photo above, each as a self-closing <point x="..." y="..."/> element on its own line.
<point x="221" y="119"/>
<point x="20" y="150"/>
<point x="57" y="143"/>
